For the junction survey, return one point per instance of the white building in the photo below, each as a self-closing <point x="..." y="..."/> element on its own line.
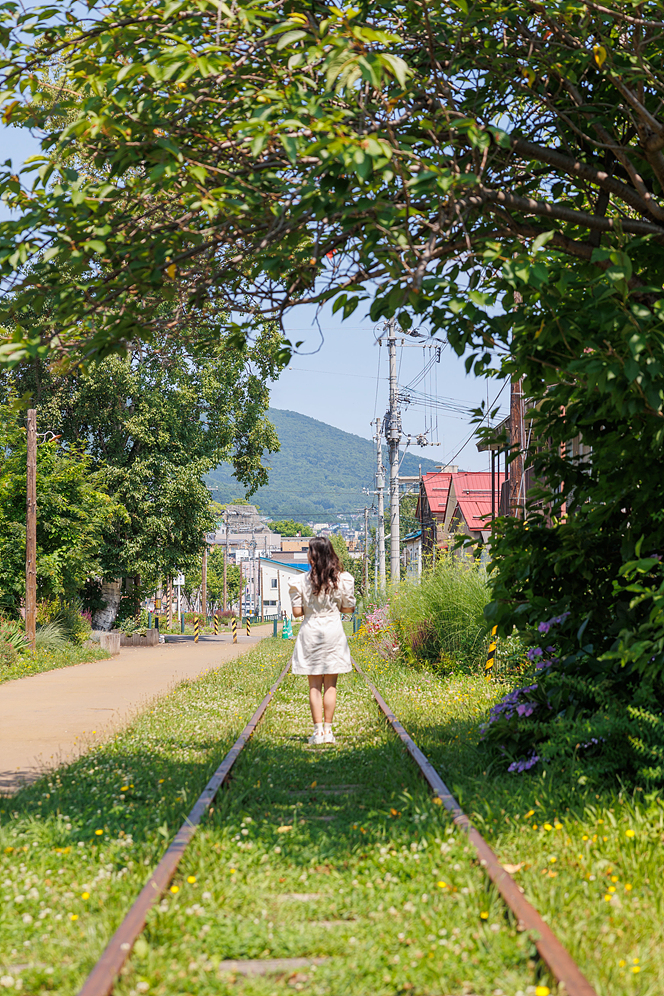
<point x="274" y="580"/>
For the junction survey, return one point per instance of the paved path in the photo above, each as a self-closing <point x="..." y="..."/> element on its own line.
<point x="49" y="719"/>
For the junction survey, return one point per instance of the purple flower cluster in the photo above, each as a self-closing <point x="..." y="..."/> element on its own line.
<point x="524" y="763"/>
<point x="544" y="627"/>
<point x="510" y="704"/>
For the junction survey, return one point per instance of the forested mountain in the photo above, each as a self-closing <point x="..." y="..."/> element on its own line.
<point x="320" y="471"/>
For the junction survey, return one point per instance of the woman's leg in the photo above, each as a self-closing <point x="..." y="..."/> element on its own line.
<point x="330" y="696"/>
<point x="315" y="697"/>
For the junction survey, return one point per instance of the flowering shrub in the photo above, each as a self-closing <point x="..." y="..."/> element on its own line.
<point x="381" y="632"/>
<point x="588" y="710"/>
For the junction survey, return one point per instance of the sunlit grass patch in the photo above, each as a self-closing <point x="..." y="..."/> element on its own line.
<point x="48" y="660"/>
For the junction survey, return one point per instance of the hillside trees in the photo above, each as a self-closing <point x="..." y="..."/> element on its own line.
<point x="496" y="170"/>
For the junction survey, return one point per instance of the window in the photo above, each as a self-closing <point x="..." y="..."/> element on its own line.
<point x="273" y="583"/>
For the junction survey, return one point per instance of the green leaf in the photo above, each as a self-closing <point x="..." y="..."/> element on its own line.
<point x="289" y="37"/>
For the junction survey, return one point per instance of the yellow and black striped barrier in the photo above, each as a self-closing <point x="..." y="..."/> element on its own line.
<point x="197" y="629"/>
<point x="234" y="628"/>
<point x="248" y="626"/>
<point x="491" y="656"/>
<point x="216" y="624"/>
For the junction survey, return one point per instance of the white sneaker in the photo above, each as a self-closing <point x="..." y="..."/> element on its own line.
<point x="329" y="738"/>
<point x="317" y="738"/>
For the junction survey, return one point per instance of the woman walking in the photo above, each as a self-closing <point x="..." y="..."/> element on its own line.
<point x="321" y="649"/>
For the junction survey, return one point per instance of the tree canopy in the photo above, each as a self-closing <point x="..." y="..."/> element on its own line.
<point x="156" y="421"/>
<point x="74" y="512"/>
<point x="288" y="527"/>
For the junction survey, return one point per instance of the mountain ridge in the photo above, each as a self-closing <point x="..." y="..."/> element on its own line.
<point x="319" y="472"/>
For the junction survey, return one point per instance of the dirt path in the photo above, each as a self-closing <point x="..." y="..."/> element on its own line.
<point x="48" y="719"/>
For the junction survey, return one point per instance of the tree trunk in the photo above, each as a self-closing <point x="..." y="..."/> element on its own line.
<point x="111" y="592"/>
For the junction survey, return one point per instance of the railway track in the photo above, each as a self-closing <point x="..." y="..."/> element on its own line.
<point x="102" y="978"/>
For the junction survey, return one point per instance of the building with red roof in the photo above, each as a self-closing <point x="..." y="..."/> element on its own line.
<point x="453" y="502"/>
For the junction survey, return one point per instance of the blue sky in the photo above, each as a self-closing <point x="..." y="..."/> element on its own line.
<point x="341" y="377"/>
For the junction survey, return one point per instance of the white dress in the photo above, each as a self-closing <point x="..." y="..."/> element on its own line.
<point x="321" y="646"/>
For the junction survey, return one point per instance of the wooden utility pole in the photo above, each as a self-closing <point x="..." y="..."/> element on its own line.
<point x="204" y="586"/>
<point x="170" y="602"/>
<point x="517" y="500"/>
<point x="31" y="533"/>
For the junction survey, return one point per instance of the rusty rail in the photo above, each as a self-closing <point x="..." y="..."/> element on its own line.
<point x="558" y="960"/>
<point x="102" y="978"/>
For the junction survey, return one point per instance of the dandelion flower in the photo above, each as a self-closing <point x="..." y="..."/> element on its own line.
<point x="73" y="916"/>
<point x="614" y="878"/>
<point x="547" y="826"/>
<point x="442" y="885"/>
<point x="484" y="915"/>
<point x="628" y="887"/>
<point x="630" y="833"/>
<point x="542" y="991"/>
<point x="175" y="888"/>
<point x="636" y="968"/>
<point x="608" y="898"/>
<point x="636" y="961"/>
<point x="585" y="837"/>
<point x="191" y="879"/>
<point x="557" y="826"/>
<point x="123" y="788"/>
<point x="98" y="833"/>
<point x="531" y="812"/>
<point x="85" y="895"/>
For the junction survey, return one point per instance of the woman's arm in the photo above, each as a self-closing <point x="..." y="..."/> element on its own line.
<point x="297" y="611"/>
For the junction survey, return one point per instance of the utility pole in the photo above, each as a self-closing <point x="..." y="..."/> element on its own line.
<point x="31" y="533"/>
<point x="380" y="492"/>
<point x="225" y="563"/>
<point x="204" y="586"/>
<point x="516" y="447"/>
<point x="366" y="550"/>
<point x="393" y="433"/>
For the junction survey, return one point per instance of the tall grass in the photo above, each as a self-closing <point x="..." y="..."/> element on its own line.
<point x="440" y="621"/>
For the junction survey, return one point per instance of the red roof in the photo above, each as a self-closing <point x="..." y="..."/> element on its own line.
<point x="437" y="487"/>
<point x="473" y="494"/>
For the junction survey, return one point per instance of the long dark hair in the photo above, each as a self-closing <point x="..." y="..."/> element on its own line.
<point x="325" y="565"/>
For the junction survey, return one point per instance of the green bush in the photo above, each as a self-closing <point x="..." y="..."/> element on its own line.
<point x="440" y="621"/>
<point x="75" y="625"/>
<point x="51" y="636"/>
<point x="8" y="654"/>
<point x="12" y="633"/>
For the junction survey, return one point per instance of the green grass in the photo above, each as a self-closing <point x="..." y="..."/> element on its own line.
<point x="48" y="660"/>
<point x="381" y="920"/>
<point x="574" y="842"/>
<point x="355" y="879"/>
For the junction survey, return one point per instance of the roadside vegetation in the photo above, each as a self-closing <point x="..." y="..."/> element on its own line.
<point x="62" y="635"/>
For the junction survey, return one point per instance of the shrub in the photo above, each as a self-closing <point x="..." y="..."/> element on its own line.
<point x="73" y="621"/>
<point x="51" y="636"/>
<point x="12" y="633"/>
<point x="8" y="654"/>
<point x="440" y="621"/>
